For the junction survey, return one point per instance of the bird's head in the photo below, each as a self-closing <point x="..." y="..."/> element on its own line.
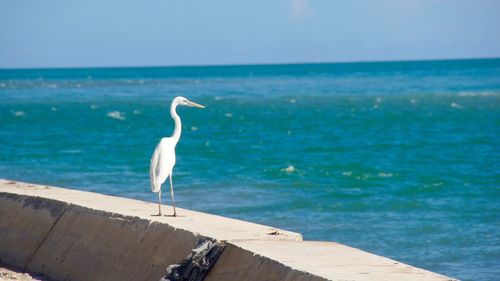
<point x="186" y="102"/>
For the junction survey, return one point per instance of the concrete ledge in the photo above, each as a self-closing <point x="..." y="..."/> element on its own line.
<point x="217" y="227"/>
<point x="87" y="244"/>
<point x="24" y="223"/>
<point x="74" y="235"/>
<point x="310" y="260"/>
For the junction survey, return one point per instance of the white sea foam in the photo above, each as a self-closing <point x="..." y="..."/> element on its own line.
<point x="364" y="176"/>
<point x="228" y="115"/>
<point x="19" y="113"/>
<point x="347" y="173"/>
<point x="137" y="112"/>
<point x="193" y="128"/>
<point x="289" y="169"/>
<point x="434" y="184"/>
<point x="116" y="115"/>
<point x="455" y="105"/>
<point x="478" y="94"/>
<point x="71" y="151"/>
<point x="385" y="175"/>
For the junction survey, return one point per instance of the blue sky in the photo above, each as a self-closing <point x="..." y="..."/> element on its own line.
<point x="49" y="33"/>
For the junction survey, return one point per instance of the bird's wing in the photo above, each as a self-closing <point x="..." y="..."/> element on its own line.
<point x="152" y="170"/>
<point x="162" y="162"/>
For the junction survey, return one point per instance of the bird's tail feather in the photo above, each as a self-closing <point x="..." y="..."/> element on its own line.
<point x="155" y="186"/>
<point x="155" y="183"/>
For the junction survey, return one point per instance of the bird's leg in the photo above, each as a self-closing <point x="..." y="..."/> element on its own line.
<point x="172" y="193"/>
<point x="159" y="203"/>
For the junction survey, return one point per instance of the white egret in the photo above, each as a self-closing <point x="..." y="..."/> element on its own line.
<point x="163" y="159"/>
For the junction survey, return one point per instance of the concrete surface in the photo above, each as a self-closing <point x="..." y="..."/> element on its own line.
<point x="74" y="235"/>
<point x="24" y="223"/>
<point x="310" y="260"/>
<point x="217" y="227"/>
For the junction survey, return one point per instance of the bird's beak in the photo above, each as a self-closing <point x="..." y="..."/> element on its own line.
<point x="195" y="104"/>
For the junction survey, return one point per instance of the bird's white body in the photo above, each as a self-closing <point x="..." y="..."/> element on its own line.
<point x="162" y="163"/>
<point x="163" y="159"/>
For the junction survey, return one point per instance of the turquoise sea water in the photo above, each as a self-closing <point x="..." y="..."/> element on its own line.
<point x="401" y="159"/>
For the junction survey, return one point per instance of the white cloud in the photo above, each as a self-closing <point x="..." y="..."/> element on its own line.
<point x="301" y="8"/>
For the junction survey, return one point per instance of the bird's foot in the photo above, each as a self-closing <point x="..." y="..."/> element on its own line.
<point x="172" y="215"/>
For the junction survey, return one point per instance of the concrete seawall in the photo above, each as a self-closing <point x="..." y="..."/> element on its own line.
<point x="74" y="235"/>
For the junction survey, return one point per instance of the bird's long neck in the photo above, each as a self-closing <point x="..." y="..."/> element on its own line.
<point x="178" y="126"/>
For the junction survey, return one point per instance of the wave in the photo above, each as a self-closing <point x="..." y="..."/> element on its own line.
<point x="289" y="169"/>
<point x="478" y="94"/>
<point x="71" y="151"/>
<point x="385" y="175"/>
<point x="19" y="113"/>
<point x="116" y="115"/>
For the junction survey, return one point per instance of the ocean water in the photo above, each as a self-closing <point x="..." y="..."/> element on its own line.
<point x="400" y="158"/>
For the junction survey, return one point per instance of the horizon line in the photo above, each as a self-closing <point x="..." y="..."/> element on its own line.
<point x="249" y="64"/>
